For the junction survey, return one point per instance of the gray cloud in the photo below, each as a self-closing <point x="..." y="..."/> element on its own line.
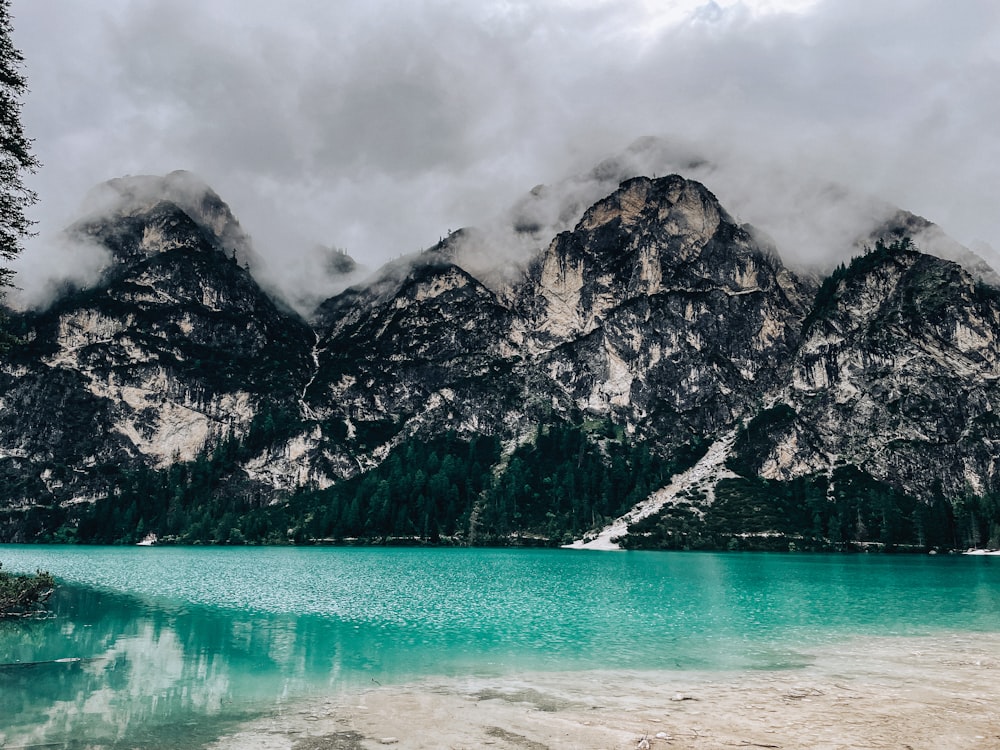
<point x="58" y="262"/>
<point x="378" y="126"/>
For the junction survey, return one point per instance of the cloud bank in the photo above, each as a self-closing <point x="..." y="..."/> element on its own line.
<point x="378" y="126"/>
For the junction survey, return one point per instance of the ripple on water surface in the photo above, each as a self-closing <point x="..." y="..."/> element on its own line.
<point x="160" y="638"/>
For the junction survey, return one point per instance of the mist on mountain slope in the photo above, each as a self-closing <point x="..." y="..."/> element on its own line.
<point x="813" y="223"/>
<point x="378" y="126"/>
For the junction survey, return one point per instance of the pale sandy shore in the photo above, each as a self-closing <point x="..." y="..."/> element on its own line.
<point x="929" y="692"/>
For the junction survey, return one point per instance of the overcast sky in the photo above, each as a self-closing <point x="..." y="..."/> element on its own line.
<point x="377" y="125"/>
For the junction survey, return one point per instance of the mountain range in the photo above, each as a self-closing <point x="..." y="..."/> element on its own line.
<point x="652" y="376"/>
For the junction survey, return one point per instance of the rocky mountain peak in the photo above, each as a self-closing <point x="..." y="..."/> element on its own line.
<point x="649" y="237"/>
<point x="654" y="329"/>
<point x="897" y="373"/>
<point x="678" y="206"/>
<point x="931" y="239"/>
<point x="142" y="215"/>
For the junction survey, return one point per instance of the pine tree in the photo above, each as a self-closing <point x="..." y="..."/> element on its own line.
<point x="16" y="158"/>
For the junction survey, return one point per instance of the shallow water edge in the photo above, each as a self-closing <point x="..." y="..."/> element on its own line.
<point x="174" y="647"/>
<point x="937" y="692"/>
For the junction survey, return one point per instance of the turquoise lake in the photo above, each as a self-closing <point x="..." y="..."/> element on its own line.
<point x="167" y="647"/>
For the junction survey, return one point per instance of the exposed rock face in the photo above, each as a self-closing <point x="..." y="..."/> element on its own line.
<point x="897" y="373"/>
<point x="421" y="350"/>
<point x="138" y="216"/>
<point x="657" y="314"/>
<point x="931" y="239"/>
<point x="661" y="312"/>
<point x="176" y="350"/>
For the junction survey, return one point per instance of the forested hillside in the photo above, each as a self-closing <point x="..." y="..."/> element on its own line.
<point x="428" y="405"/>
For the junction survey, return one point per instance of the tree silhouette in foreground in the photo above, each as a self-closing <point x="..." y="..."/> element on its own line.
<point x="16" y="158"/>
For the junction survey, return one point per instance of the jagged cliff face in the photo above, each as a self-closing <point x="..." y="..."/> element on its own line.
<point x="661" y="312"/>
<point x="656" y="311"/>
<point x="139" y="216"/>
<point x="897" y="373"/>
<point x="657" y="314"/>
<point x="172" y="353"/>
<point x="419" y="351"/>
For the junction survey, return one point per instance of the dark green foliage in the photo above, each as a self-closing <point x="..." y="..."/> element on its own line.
<point x="851" y="510"/>
<point x="196" y="501"/>
<point x="569" y="480"/>
<point x="746" y="514"/>
<point x="423" y="491"/>
<point x="33" y="523"/>
<point x="369" y="435"/>
<point x="273" y="424"/>
<point x="866" y="510"/>
<point x="16" y="160"/>
<point x="566" y="483"/>
<point x="826" y="298"/>
<point x="830" y="291"/>
<point x="21" y="595"/>
<point x="190" y="502"/>
<point x="755" y="441"/>
<point x="977" y="522"/>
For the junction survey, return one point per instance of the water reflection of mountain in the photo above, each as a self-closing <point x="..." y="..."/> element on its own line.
<point x="119" y="670"/>
<point x="244" y="631"/>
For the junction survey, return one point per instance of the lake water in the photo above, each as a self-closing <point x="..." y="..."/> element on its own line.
<point x="168" y="647"/>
